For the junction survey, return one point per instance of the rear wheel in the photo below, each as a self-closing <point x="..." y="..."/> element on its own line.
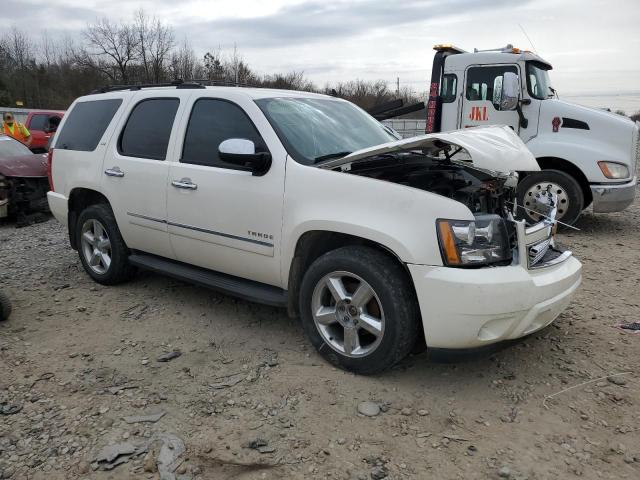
<point x="103" y="253"/>
<point x="358" y="309"/>
<point x="564" y="186"/>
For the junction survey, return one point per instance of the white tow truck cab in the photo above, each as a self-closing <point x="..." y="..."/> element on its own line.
<point x="588" y="156"/>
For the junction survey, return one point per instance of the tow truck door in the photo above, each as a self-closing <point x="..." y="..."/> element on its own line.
<point x="481" y="97"/>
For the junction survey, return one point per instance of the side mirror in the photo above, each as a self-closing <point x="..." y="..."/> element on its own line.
<point x="242" y="152"/>
<point x="510" y="91"/>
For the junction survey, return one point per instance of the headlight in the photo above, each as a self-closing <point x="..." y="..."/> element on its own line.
<point x="478" y="242"/>
<point x="614" y="170"/>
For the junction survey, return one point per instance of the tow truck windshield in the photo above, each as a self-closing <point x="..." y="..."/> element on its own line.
<point x="318" y="129"/>
<point x="538" y="80"/>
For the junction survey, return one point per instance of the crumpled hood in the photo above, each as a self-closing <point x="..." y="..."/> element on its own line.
<point x="495" y="148"/>
<point x="24" y="166"/>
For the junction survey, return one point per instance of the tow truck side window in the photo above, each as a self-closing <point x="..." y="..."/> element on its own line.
<point x="448" y="88"/>
<point x="485" y="83"/>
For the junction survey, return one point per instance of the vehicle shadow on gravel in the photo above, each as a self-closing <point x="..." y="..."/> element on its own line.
<point x="598" y="223"/>
<point x="273" y="329"/>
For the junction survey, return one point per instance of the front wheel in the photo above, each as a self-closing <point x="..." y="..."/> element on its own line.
<point x="564" y="186"/>
<point x="358" y="309"/>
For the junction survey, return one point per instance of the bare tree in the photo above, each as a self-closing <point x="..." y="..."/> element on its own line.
<point x="155" y="42"/>
<point x="290" y="81"/>
<point x="114" y="46"/>
<point x="20" y="54"/>
<point x="184" y="64"/>
<point x="213" y="66"/>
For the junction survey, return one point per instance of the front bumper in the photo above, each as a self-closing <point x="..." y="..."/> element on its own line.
<point x="613" y="198"/>
<point x="464" y="308"/>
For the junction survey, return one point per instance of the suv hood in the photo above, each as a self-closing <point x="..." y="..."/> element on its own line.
<point x="495" y="148"/>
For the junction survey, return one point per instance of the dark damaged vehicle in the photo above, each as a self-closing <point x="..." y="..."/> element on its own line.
<point x="23" y="181"/>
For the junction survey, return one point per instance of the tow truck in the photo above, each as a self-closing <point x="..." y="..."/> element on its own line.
<point x="587" y="156"/>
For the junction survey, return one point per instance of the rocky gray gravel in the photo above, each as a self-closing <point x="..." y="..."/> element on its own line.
<point x="249" y="398"/>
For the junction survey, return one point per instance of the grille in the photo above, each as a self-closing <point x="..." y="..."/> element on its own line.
<point x="538" y="251"/>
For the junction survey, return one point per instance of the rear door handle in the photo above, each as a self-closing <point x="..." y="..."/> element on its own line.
<point x="114" y="172"/>
<point x="185" y="183"/>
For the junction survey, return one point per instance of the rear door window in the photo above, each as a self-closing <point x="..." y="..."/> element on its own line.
<point x="147" y="131"/>
<point x="86" y="124"/>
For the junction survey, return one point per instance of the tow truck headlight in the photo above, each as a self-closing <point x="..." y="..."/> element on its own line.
<point x="474" y="243"/>
<point x="614" y="170"/>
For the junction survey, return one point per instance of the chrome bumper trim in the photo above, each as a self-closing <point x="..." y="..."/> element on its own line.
<point x="613" y="198"/>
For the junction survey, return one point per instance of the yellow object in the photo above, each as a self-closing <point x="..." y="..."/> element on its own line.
<point x="16" y="130"/>
<point x="448" y="243"/>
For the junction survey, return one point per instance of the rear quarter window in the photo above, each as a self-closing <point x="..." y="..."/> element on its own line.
<point x="86" y="123"/>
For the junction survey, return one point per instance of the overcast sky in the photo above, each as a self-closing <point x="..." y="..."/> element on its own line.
<point x="594" y="45"/>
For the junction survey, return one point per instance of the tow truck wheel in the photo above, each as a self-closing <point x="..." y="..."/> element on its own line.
<point x="565" y="187"/>
<point x="358" y="309"/>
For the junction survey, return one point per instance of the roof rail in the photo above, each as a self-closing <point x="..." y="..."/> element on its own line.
<point x="180" y="84"/>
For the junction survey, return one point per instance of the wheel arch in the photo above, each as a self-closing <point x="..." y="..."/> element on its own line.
<point x="79" y="199"/>
<point x="570" y="168"/>
<point x="315" y="243"/>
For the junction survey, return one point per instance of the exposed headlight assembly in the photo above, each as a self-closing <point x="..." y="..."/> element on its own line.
<point x="474" y="243"/>
<point x="613" y="170"/>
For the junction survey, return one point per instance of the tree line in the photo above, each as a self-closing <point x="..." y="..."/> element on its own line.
<point x="43" y="72"/>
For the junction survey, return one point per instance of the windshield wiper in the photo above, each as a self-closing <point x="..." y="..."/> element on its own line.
<point x="329" y="156"/>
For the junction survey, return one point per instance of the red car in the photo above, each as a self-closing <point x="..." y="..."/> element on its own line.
<point x="42" y="125"/>
<point x="23" y="181"/>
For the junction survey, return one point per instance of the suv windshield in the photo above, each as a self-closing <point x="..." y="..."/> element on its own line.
<point x="10" y="147"/>
<point x="317" y="129"/>
<point x="538" y="80"/>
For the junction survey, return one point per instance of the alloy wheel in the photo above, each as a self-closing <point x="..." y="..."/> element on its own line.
<point x="348" y="314"/>
<point x="96" y="246"/>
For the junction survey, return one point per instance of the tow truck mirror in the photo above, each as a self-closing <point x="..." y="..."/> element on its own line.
<point x="510" y="91"/>
<point x="242" y="152"/>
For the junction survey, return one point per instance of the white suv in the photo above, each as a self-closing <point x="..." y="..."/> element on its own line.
<point x="305" y="201"/>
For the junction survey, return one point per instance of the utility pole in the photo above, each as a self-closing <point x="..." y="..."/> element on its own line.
<point x="398" y="85"/>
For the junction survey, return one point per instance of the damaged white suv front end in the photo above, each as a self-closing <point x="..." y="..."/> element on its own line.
<point x="500" y="279"/>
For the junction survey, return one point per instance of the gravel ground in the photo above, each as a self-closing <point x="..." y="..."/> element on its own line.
<point x="249" y="398"/>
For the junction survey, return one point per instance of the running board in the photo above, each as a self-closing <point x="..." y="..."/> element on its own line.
<point x="228" y="284"/>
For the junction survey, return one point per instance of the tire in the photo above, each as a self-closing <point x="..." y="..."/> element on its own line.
<point x="106" y="260"/>
<point x="391" y="309"/>
<point x="5" y="307"/>
<point x="570" y="196"/>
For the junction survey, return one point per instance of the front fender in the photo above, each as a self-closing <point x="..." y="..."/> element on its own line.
<point x="400" y="218"/>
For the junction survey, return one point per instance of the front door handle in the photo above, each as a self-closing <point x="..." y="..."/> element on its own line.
<point x="114" y="172"/>
<point x="184" y="183"/>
